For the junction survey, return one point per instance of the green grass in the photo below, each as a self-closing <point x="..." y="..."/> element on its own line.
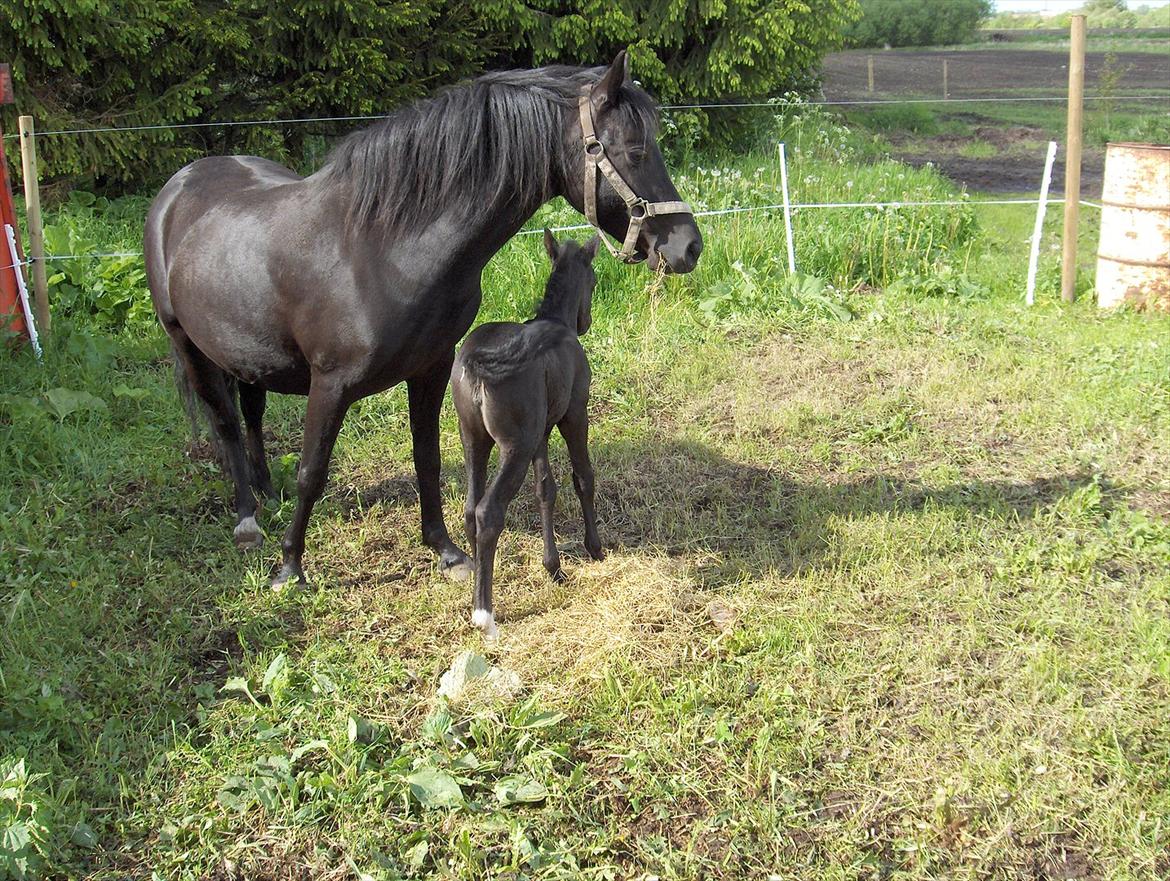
<point x="887" y="592"/>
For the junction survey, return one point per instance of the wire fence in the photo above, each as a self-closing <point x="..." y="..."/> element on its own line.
<point x="775" y="103"/>
<point x="848" y="85"/>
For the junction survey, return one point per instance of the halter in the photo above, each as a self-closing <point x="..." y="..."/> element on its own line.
<point x="637" y="208"/>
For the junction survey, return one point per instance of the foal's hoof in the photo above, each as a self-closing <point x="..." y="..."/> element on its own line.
<point x="248" y="535"/>
<point x="457" y="568"/>
<point x="486" y="622"/>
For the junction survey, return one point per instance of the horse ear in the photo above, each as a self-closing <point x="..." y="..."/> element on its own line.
<point x="590" y="247"/>
<point x="550" y="245"/>
<point x="609" y="87"/>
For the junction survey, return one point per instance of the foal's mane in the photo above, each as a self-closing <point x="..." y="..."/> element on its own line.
<point x="489" y="142"/>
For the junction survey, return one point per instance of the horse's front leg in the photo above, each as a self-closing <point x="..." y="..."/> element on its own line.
<point x="328" y="402"/>
<point x="425" y="394"/>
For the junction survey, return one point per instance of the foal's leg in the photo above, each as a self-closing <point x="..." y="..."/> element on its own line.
<point x="477" y="446"/>
<point x="425" y="395"/>
<point x="489" y="523"/>
<point x="252" y="399"/>
<point x="575" y="430"/>
<point x="327" y="405"/>
<point x="210" y="383"/>
<point x="546" y="495"/>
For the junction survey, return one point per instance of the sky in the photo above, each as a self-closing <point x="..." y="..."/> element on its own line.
<point x="1057" y="6"/>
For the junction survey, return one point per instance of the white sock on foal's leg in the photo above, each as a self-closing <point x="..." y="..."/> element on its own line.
<point x="485" y="621"/>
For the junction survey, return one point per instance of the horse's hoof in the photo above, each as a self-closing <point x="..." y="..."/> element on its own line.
<point x="459" y="569"/>
<point x="248" y="535"/>
<point x="288" y="574"/>
<point x="556" y="573"/>
<point x="486" y="622"/>
<point x="596" y="553"/>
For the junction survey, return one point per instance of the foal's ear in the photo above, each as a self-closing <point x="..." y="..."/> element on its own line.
<point x="590" y="247"/>
<point x="550" y="245"/>
<point x="608" y="88"/>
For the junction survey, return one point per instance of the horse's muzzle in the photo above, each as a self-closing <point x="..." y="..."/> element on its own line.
<point x="680" y="249"/>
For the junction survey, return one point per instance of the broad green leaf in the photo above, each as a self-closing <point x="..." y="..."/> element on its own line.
<point x="121" y="390"/>
<point x="435" y="789"/>
<point x="64" y="402"/>
<point x="520" y="790"/>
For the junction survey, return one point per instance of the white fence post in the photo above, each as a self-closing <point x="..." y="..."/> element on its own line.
<point x="1041" y="207"/>
<point x="787" y="210"/>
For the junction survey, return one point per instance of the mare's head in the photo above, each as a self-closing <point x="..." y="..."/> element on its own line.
<point x="572" y="278"/>
<point x="624" y="120"/>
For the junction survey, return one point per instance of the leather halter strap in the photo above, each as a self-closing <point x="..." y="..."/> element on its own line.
<point x="637" y="208"/>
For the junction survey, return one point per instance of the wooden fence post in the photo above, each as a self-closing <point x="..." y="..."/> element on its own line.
<point x="946" y="84"/>
<point x="1072" y="171"/>
<point x="869" y="65"/>
<point x="36" y="234"/>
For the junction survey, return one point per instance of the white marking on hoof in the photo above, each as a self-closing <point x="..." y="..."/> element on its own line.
<point x="248" y="534"/>
<point x="485" y="621"/>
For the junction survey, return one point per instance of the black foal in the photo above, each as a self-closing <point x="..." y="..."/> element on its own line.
<point x="511" y="384"/>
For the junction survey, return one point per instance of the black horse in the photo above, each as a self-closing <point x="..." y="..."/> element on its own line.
<point x="512" y="383"/>
<point x="367" y="273"/>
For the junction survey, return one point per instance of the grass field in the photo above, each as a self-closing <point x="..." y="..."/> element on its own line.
<point x="887" y="592"/>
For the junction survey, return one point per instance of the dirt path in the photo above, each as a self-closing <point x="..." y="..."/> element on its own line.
<point x="1018" y="161"/>
<point x="983" y="72"/>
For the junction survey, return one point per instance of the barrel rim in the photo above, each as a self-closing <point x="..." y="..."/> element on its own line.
<point x="1134" y="145"/>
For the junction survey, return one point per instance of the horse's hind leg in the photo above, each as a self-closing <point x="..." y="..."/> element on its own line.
<point x="489" y="523"/>
<point x="477" y="447"/>
<point x="546" y="495"/>
<point x="252" y="400"/>
<point x="425" y="395"/>
<point x="210" y="382"/>
<point x="575" y="430"/>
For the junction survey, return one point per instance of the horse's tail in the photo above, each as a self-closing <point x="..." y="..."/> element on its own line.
<point x="199" y="417"/>
<point x="512" y="356"/>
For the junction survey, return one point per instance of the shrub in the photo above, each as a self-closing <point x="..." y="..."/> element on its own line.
<point x="914" y="23"/>
<point x="97" y="63"/>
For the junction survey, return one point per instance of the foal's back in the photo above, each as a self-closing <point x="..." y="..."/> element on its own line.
<point x="518" y="380"/>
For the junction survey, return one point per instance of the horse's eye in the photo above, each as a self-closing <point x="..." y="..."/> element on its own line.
<point x="636" y="156"/>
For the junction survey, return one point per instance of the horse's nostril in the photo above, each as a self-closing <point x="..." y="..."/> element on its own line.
<point x="694" y="249"/>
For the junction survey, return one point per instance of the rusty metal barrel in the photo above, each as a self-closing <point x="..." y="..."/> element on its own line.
<point x="1133" y="257"/>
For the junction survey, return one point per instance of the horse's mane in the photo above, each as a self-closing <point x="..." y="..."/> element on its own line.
<point x="485" y="143"/>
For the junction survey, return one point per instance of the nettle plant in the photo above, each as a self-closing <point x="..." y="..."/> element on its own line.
<point x="90" y="279"/>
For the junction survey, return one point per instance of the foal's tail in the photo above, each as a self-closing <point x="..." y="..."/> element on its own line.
<point x="198" y="413"/>
<point x="514" y="354"/>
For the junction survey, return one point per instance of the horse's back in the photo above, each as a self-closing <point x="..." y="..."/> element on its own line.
<point x="216" y="185"/>
<point x="209" y="237"/>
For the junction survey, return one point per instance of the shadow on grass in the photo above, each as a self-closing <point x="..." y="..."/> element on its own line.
<point x="683" y="497"/>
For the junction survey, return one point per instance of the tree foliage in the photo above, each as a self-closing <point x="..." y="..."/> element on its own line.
<point x="1098" y="14"/>
<point x="80" y="64"/>
<point x="914" y="23"/>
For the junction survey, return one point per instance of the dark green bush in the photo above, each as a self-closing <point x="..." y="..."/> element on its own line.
<point x="915" y="23"/>
<point x="118" y="63"/>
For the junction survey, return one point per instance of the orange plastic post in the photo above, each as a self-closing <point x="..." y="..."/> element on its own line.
<point x="11" y="311"/>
